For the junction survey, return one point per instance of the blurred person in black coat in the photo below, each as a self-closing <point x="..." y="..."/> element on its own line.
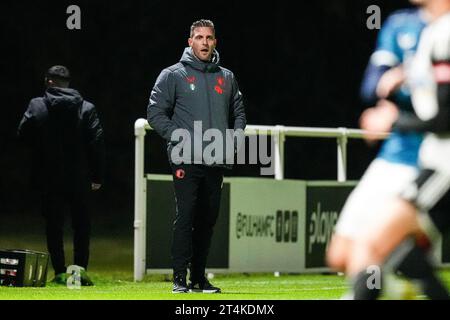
<point x="66" y="138"/>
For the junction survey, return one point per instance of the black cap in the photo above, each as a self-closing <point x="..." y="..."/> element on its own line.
<point x="58" y="72"/>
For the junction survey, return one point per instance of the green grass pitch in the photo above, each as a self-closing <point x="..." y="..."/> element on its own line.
<point x="111" y="268"/>
<point x="111" y="285"/>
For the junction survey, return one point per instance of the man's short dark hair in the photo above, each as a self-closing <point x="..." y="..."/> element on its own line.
<point x="59" y="75"/>
<point x="202" y="23"/>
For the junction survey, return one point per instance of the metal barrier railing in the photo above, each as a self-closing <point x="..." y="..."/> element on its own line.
<point x="279" y="134"/>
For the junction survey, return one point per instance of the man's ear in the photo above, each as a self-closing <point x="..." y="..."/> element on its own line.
<point x="190" y="41"/>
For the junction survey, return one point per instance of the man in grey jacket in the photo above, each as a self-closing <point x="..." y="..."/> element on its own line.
<point x="189" y="99"/>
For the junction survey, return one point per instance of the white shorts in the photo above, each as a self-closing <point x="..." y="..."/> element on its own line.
<point x="381" y="182"/>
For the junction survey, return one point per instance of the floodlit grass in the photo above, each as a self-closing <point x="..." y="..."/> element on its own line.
<point x="111" y="266"/>
<point x="112" y="285"/>
<point x="119" y="286"/>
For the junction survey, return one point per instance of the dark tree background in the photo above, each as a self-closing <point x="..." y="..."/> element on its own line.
<point x="298" y="63"/>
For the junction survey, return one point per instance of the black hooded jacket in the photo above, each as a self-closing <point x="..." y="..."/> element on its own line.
<point x="66" y="137"/>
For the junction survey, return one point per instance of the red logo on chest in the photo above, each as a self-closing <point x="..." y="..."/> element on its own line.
<point x="219" y="86"/>
<point x="190" y="79"/>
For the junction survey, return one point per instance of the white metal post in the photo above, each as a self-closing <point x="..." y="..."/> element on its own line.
<point x="139" y="201"/>
<point x="342" y="155"/>
<point x="279" y="138"/>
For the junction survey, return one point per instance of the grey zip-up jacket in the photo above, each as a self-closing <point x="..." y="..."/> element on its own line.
<point x="190" y="91"/>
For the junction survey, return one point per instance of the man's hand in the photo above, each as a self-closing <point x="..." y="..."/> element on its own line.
<point x="390" y="81"/>
<point x="378" y="119"/>
<point x="95" y="186"/>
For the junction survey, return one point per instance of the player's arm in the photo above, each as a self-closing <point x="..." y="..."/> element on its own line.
<point x="408" y="121"/>
<point x="378" y="119"/>
<point x="442" y="76"/>
<point x="432" y="108"/>
<point x="383" y="59"/>
<point x="161" y="104"/>
<point x="371" y="78"/>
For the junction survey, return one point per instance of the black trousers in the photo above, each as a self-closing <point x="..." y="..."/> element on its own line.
<point x="197" y="194"/>
<point x="53" y="210"/>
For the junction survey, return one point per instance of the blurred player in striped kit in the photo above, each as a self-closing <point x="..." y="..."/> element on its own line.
<point x="396" y="164"/>
<point x="419" y="210"/>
